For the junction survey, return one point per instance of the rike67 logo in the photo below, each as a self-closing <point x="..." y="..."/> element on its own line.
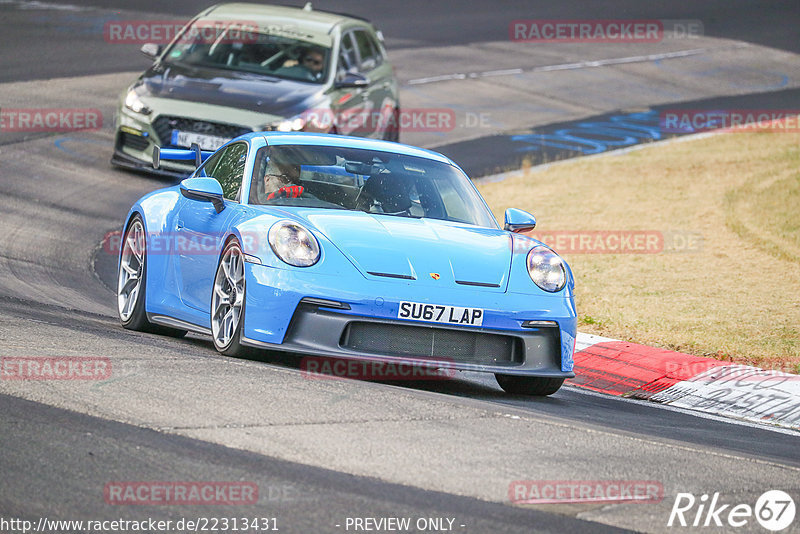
<point x="774" y="510"/>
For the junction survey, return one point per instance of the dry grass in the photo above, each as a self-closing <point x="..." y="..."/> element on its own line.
<point x="737" y="297"/>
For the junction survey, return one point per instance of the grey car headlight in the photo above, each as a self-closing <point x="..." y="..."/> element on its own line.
<point x="135" y="104"/>
<point x="291" y="125"/>
<point x="546" y="269"/>
<point x="317" y="119"/>
<point x="294" y="244"/>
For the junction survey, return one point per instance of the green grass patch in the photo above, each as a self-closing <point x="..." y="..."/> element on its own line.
<point x="734" y="294"/>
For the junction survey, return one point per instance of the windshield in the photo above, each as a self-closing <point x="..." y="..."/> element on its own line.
<point x="232" y="47"/>
<point x="371" y="181"/>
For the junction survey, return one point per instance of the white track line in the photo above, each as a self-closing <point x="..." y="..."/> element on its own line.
<point x="34" y="5"/>
<point x="697" y="413"/>
<point x="564" y="66"/>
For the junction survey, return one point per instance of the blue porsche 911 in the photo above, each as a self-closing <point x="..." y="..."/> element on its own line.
<point x="343" y="247"/>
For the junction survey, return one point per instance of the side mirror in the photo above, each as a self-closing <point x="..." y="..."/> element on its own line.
<point x="353" y="80"/>
<point x="204" y="190"/>
<point x="519" y="220"/>
<point x="151" y="50"/>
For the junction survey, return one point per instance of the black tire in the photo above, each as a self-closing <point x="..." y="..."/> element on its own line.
<point x="392" y="132"/>
<point x="234" y="346"/>
<point x="529" y="385"/>
<point x="137" y="319"/>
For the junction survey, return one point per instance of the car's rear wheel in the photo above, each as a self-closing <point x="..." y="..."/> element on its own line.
<point x="529" y="385"/>
<point x="227" y="301"/>
<point x="132" y="282"/>
<point x="131" y="277"/>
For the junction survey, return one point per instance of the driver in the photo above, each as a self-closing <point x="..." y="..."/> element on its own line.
<point x="314" y="61"/>
<point x="308" y="66"/>
<point x="282" y="180"/>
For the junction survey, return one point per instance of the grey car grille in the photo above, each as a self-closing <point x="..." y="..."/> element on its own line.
<point x="164" y="125"/>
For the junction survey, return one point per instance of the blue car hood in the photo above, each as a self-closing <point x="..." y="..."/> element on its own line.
<point x="436" y="253"/>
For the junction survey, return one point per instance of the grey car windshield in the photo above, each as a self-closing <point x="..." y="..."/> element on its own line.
<point x="371" y="181"/>
<point x="241" y="48"/>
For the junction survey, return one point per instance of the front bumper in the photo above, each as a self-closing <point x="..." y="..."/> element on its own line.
<point x="138" y="134"/>
<point x="366" y="326"/>
<point x="121" y="159"/>
<point x="134" y="141"/>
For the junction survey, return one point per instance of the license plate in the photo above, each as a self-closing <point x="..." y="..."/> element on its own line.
<point x="437" y="313"/>
<point x="205" y="142"/>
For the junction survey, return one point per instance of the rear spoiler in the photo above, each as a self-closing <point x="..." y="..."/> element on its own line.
<point x="180" y="154"/>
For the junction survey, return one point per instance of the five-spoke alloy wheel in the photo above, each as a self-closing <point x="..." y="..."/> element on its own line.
<point x="227" y="301"/>
<point x="131" y="277"/>
<point x="132" y="282"/>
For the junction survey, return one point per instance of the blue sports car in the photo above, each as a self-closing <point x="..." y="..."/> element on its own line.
<point x="352" y="248"/>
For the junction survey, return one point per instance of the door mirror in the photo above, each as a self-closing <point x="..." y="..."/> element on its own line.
<point x="151" y="50"/>
<point x="352" y="80"/>
<point x="518" y="220"/>
<point x="204" y="190"/>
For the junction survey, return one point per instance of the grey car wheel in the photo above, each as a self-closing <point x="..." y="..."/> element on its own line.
<point x="227" y="301"/>
<point x="132" y="282"/>
<point x="131" y="277"/>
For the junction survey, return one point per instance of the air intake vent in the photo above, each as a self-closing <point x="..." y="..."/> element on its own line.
<point x="432" y="342"/>
<point x="392" y="275"/>
<point x="477" y="284"/>
<point x="133" y="141"/>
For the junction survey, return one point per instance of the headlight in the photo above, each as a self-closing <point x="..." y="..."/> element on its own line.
<point x="294" y="244"/>
<point x="133" y="103"/>
<point x="291" y="125"/>
<point x="546" y="269"/>
<point x="317" y="120"/>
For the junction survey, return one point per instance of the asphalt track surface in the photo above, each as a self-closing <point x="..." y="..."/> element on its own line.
<point x="415" y="23"/>
<point x="321" y="451"/>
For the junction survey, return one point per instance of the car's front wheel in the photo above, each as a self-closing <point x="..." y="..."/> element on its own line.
<point x="227" y="301"/>
<point x="393" y="131"/>
<point x="529" y="385"/>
